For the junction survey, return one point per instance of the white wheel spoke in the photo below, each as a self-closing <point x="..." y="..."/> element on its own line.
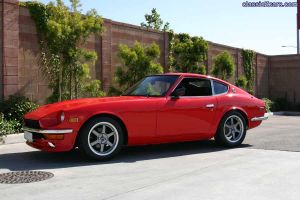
<point x="102" y="148"/>
<point x="226" y="125"/>
<point x="110" y="134"/>
<point x="94" y="143"/>
<point x="109" y="143"/>
<point x="103" y="129"/>
<point x="96" y="133"/>
<point x="228" y="134"/>
<point x="233" y="135"/>
<point x="232" y="123"/>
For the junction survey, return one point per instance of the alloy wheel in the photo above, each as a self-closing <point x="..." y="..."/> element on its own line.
<point x="103" y="138"/>
<point x="233" y="128"/>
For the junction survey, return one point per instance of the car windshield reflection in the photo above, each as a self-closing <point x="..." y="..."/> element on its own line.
<point x="152" y="86"/>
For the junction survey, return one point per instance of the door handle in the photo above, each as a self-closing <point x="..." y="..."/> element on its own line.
<point x="210" y="106"/>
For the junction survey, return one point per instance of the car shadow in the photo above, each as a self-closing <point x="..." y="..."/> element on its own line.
<point x="37" y="160"/>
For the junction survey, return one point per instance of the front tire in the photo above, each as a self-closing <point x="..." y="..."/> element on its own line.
<point x="101" y="138"/>
<point x="232" y="130"/>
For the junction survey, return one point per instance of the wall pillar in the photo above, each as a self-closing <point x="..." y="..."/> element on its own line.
<point x="9" y="47"/>
<point x="166" y="52"/>
<point x="106" y="59"/>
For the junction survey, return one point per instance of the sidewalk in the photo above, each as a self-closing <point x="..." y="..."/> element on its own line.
<point x="12" y="139"/>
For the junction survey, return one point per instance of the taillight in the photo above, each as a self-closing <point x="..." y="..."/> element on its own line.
<point x="262" y="108"/>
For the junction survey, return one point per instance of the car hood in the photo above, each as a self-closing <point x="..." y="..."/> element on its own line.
<point x="75" y="104"/>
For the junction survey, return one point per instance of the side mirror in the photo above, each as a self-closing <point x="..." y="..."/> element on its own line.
<point x="178" y="92"/>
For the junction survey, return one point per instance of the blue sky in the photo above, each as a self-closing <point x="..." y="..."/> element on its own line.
<point x="261" y="29"/>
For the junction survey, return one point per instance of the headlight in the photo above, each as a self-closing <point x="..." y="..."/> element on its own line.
<point x="52" y="119"/>
<point x="62" y="117"/>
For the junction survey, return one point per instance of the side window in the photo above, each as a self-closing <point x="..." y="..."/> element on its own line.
<point x="196" y="87"/>
<point x="220" y="88"/>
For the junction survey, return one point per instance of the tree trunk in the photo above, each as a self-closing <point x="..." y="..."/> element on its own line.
<point x="60" y="83"/>
<point x="76" y="85"/>
<point x="70" y="85"/>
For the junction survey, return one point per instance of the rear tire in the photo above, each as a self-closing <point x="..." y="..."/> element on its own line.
<point x="232" y="130"/>
<point x="101" y="138"/>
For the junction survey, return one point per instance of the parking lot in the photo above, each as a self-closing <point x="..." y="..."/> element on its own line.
<point x="266" y="166"/>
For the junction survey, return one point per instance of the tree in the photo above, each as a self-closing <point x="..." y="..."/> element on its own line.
<point x="248" y="56"/>
<point x="188" y="53"/>
<point x="138" y="62"/>
<point x="154" y="21"/>
<point x="223" y="65"/>
<point x="63" y="32"/>
<point x="242" y="82"/>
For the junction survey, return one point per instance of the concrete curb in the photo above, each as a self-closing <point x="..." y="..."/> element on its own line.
<point x="12" y="139"/>
<point x="287" y="113"/>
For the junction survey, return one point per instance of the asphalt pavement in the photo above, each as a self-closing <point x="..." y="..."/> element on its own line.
<point x="266" y="166"/>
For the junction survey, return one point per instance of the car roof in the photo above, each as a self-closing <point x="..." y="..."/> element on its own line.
<point x="196" y="75"/>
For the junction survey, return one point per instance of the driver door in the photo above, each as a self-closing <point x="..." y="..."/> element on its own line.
<point x="190" y="113"/>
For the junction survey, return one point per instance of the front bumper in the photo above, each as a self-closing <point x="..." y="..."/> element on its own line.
<point x="39" y="141"/>
<point x="62" y="131"/>
<point x="265" y="117"/>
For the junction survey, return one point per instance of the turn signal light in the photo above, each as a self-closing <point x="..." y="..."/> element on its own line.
<point x="73" y="119"/>
<point x="54" y="136"/>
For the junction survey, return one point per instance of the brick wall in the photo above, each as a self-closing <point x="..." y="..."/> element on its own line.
<point x="284" y="77"/>
<point x="9" y="47"/>
<point x="1" y="50"/>
<point x="276" y="76"/>
<point x="260" y="64"/>
<point x="214" y="49"/>
<point x="120" y="33"/>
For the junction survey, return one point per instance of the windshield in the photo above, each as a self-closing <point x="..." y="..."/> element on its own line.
<point x="154" y="86"/>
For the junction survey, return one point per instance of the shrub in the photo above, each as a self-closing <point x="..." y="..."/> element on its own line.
<point x="269" y="104"/>
<point x="138" y="61"/>
<point x="297" y="107"/>
<point x="188" y="54"/>
<point x="63" y="31"/>
<point x="223" y="65"/>
<point x="8" y="127"/>
<point x="92" y="89"/>
<point x="248" y="56"/>
<point x="241" y="82"/>
<point x="14" y="108"/>
<point x="282" y="104"/>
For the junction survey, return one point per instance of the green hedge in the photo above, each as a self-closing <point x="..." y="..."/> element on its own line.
<point x="269" y="104"/>
<point x="8" y="127"/>
<point x="12" y="111"/>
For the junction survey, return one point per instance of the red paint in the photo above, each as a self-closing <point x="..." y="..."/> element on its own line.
<point x="149" y="120"/>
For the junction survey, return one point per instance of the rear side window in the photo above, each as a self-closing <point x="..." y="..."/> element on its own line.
<point x="196" y="87"/>
<point x="220" y="88"/>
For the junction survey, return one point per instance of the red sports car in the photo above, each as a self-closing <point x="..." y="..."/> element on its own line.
<point x="164" y="108"/>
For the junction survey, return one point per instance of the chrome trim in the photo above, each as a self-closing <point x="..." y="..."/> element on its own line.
<point x="214" y="93"/>
<point x="188" y="77"/>
<point x="51" y="145"/>
<point x="212" y="87"/>
<point x="62" y="131"/>
<point x="210" y="106"/>
<point x="265" y="117"/>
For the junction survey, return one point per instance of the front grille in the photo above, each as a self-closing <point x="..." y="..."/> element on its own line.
<point x="32" y="123"/>
<point x="37" y="136"/>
